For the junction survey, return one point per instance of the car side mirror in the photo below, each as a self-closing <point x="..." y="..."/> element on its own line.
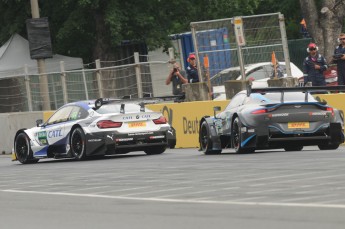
<point x="215" y="109"/>
<point x="39" y="122"/>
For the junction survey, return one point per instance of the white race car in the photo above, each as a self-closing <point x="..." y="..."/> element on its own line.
<point x="92" y="128"/>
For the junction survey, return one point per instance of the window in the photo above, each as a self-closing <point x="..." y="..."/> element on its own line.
<point x="60" y="115"/>
<point x="115" y="108"/>
<point x="236" y="101"/>
<point x="257" y="74"/>
<point x="78" y="113"/>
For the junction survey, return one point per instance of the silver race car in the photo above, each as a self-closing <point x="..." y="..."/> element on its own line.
<point x="273" y="118"/>
<point x="92" y="128"/>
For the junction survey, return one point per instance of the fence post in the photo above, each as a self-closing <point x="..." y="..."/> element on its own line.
<point x="171" y="55"/>
<point x="27" y="87"/>
<point x="99" y="78"/>
<point x="63" y="82"/>
<point x="138" y="74"/>
<point x="85" y="85"/>
<point x="285" y="44"/>
<point x="195" y="42"/>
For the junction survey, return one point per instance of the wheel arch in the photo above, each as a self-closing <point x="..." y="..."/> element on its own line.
<point x="213" y="135"/>
<point x="17" y="133"/>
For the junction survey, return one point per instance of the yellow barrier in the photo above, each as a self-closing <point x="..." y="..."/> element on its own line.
<point x="185" y="117"/>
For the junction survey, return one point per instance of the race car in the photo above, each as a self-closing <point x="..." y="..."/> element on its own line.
<point x="92" y="128"/>
<point x="273" y="118"/>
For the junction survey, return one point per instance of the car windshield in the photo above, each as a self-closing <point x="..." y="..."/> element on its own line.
<point x="275" y="97"/>
<point x="115" y="108"/>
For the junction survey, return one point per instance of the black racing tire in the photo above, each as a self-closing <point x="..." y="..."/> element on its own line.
<point x="78" y="144"/>
<point x="328" y="147"/>
<point x="154" y="150"/>
<point x="205" y="141"/>
<point x="293" y="148"/>
<point x="23" y="149"/>
<point x="236" y="138"/>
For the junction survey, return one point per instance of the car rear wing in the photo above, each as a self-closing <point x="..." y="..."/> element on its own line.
<point x="306" y="90"/>
<point x="140" y="101"/>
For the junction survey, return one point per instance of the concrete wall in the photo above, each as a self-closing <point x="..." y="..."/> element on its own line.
<point x="10" y="123"/>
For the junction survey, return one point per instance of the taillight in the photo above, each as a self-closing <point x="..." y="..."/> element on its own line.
<point x="331" y="110"/>
<point x="160" y="120"/>
<point x="108" y="124"/>
<point x="260" y="111"/>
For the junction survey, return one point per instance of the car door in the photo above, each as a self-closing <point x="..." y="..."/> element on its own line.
<point x="226" y="116"/>
<point x="53" y="131"/>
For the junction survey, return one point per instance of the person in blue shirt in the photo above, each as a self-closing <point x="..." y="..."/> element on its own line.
<point x="339" y="58"/>
<point x="313" y="67"/>
<point x="192" y="71"/>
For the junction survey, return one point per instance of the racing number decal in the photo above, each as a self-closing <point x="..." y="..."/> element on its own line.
<point x="42" y="137"/>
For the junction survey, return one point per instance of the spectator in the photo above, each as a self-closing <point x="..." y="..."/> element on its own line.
<point x="192" y="71"/>
<point x="177" y="77"/>
<point x="313" y="66"/>
<point x="279" y="71"/>
<point x="339" y="58"/>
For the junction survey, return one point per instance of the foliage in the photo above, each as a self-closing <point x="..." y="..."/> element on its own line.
<point x="88" y="27"/>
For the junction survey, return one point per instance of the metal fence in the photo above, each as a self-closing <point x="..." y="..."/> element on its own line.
<point x="22" y="92"/>
<point x="216" y="39"/>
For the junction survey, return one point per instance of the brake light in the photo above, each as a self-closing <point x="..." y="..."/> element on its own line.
<point x="260" y="111"/>
<point x="108" y="124"/>
<point x="330" y="109"/>
<point x="160" y="120"/>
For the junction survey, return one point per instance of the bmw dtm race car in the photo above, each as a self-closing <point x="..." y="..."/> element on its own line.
<point x="273" y="118"/>
<point x="91" y="128"/>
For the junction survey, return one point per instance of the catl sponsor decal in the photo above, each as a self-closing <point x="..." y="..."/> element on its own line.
<point x="55" y="133"/>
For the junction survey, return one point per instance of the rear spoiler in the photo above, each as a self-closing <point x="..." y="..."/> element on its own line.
<point x="306" y="90"/>
<point x="140" y="101"/>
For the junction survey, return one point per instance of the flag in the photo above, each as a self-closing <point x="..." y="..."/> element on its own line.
<point x="274" y="59"/>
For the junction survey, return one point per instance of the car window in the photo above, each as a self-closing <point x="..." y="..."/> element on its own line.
<point x="236" y="101"/>
<point x="78" y="113"/>
<point x="60" y="115"/>
<point x="257" y="74"/>
<point x="115" y="108"/>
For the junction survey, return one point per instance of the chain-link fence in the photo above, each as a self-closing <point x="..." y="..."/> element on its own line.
<point x="264" y="34"/>
<point x="22" y="92"/>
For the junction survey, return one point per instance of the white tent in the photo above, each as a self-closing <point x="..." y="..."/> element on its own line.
<point x="15" y="55"/>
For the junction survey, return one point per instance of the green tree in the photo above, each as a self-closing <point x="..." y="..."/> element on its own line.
<point x="325" y="20"/>
<point x="94" y="29"/>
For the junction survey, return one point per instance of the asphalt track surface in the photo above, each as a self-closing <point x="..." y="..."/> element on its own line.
<point x="181" y="188"/>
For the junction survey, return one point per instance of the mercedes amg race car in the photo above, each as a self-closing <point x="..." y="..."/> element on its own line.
<point x="91" y="128"/>
<point x="273" y="118"/>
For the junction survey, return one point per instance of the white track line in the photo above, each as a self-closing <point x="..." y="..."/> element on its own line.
<point x="309" y="205"/>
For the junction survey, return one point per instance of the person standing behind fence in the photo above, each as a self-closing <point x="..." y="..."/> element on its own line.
<point x="192" y="71"/>
<point x="313" y="66"/>
<point x="177" y="77"/>
<point x="339" y="58"/>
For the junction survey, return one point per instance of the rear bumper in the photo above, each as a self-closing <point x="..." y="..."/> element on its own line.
<point x="265" y="138"/>
<point x="111" y="143"/>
